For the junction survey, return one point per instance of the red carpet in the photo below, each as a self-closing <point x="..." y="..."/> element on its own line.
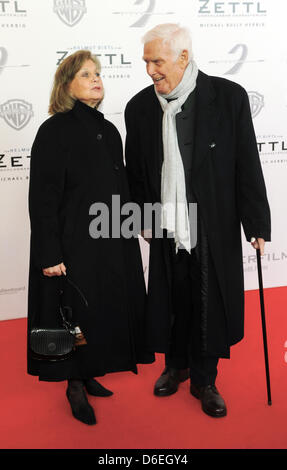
<point x="36" y="415"/>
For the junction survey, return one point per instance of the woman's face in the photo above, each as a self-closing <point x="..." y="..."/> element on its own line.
<point x="87" y="85"/>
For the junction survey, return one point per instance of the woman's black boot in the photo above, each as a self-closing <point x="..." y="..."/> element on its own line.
<point x="81" y="408"/>
<point x="93" y="387"/>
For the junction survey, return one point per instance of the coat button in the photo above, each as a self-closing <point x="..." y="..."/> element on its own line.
<point x="99" y="136"/>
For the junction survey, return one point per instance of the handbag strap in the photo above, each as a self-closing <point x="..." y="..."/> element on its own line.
<point x="77" y="289"/>
<point x="67" y="321"/>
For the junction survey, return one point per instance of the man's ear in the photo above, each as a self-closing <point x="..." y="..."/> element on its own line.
<point x="183" y="58"/>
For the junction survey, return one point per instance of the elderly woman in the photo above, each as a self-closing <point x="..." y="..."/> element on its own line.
<point x="76" y="161"/>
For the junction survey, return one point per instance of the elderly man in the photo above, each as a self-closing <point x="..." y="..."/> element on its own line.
<point x="190" y="139"/>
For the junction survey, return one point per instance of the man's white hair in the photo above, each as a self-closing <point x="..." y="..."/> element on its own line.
<point x="176" y="36"/>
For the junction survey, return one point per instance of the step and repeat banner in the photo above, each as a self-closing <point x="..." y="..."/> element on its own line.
<point x="244" y="41"/>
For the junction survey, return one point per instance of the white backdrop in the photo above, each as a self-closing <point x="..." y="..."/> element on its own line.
<point x="244" y="41"/>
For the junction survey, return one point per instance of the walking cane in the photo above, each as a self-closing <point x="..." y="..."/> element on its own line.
<point x="259" y="268"/>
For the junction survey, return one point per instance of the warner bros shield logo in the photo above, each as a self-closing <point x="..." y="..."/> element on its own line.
<point x="70" y="11"/>
<point x="16" y="113"/>
<point x="256" y="102"/>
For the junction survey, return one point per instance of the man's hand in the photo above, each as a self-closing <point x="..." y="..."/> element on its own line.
<point x="55" y="270"/>
<point x="258" y="243"/>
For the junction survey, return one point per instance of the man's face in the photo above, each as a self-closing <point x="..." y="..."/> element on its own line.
<point x="161" y="66"/>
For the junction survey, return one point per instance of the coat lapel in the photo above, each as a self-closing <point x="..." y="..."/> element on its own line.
<point x="205" y="123"/>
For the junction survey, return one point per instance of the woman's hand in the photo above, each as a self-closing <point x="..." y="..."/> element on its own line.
<point x="55" y="270"/>
<point x="147" y="235"/>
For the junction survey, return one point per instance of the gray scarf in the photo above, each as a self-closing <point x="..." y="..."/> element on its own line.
<point x="174" y="211"/>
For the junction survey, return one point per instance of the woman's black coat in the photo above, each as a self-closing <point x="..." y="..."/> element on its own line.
<point x="228" y="185"/>
<point x="77" y="160"/>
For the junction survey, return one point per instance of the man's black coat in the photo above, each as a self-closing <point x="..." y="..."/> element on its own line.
<point x="228" y="185"/>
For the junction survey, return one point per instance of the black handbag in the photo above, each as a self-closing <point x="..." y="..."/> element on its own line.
<point x="57" y="344"/>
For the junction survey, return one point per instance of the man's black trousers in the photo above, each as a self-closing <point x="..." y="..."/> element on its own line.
<point x="185" y="347"/>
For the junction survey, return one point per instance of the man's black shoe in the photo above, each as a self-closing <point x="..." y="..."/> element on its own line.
<point x="168" y="382"/>
<point x="212" y="402"/>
